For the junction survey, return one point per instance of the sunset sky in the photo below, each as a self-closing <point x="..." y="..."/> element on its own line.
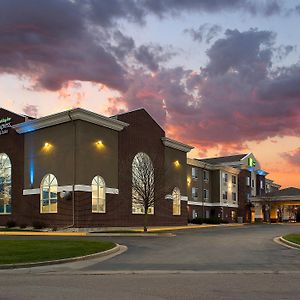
<point x="223" y="75"/>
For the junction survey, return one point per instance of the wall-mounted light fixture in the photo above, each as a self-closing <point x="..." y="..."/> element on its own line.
<point x="47" y="147"/>
<point x="99" y="144"/>
<point x="188" y="180"/>
<point x="177" y="163"/>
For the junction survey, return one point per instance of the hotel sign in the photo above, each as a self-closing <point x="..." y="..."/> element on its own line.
<point x="5" y="124"/>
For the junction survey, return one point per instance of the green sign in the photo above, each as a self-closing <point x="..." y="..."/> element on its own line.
<point x="251" y="162"/>
<point x="5" y="124"/>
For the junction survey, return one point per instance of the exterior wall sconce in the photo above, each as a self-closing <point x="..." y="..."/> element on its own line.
<point x="177" y="163"/>
<point x="47" y="147"/>
<point x="188" y="181"/>
<point x="99" y="144"/>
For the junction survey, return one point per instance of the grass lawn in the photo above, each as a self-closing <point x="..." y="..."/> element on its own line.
<point x="293" y="237"/>
<point x="24" y="251"/>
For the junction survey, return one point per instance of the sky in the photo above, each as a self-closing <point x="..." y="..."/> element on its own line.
<point x="223" y="76"/>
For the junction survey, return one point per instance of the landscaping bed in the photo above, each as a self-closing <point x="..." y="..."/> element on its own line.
<point x="28" y="251"/>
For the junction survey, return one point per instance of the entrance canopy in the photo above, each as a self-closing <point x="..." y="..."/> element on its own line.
<point x="279" y="205"/>
<point x="288" y="196"/>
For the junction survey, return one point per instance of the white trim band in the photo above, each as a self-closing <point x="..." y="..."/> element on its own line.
<point x="69" y="188"/>
<point x="212" y="204"/>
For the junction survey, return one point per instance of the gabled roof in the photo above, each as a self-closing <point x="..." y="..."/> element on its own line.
<point x="290" y="191"/>
<point x="137" y="111"/>
<point x="67" y="116"/>
<point x="176" y="145"/>
<point x="224" y="159"/>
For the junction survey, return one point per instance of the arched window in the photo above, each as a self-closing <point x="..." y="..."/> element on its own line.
<point x="5" y="184"/>
<point x="176" y="202"/>
<point x="98" y="195"/>
<point x="49" y="194"/>
<point x="142" y="184"/>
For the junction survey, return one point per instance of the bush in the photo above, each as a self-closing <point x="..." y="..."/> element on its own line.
<point x="22" y="226"/>
<point x="38" y="225"/>
<point x="11" y="223"/>
<point x="197" y="221"/>
<point x="298" y="215"/>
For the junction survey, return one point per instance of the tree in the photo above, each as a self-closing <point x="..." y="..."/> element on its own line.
<point x="143" y="185"/>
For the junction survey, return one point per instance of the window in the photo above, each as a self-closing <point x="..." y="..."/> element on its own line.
<point x="261" y="185"/>
<point x="142" y="184"/>
<point x="195" y="192"/>
<point x="234" y="196"/>
<point x="225" y="177"/>
<point x="248" y="181"/>
<point x="225" y="195"/>
<point x="252" y="183"/>
<point x="5" y="184"/>
<point x="205" y="194"/>
<point x="194" y="173"/>
<point x="49" y="194"/>
<point x="205" y="175"/>
<point x="233" y="179"/>
<point x="98" y="195"/>
<point x="194" y="214"/>
<point x="176" y="202"/>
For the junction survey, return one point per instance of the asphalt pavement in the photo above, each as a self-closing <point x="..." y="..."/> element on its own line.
<point x="213" y="263"/>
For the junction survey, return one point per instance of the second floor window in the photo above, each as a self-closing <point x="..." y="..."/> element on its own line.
<point x="225" y="177"/>
<point x="225" y="195"/>
<point x="234" y="196"/>
<point x="205" y="194"/>
<point x="194" y="192"/>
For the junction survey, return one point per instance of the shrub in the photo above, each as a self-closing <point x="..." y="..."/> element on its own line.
<point x="38" y="225"/>
<point x="197" y="221"/>
<point x="298" y="215"/>
<point x="23" y="225"/>
<point x="11" y="223"/>
<point x="224" y="221"/>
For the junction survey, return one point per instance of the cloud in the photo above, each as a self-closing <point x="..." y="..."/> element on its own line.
<point x="163" y="7"/>
<point x="152" y="55"/>
<point x="62" y="40"/>
<point x="236" y="98"/>
<point x="292" y="157"/>
<point x="31" y="110"/>
<point x="205" y="32"/>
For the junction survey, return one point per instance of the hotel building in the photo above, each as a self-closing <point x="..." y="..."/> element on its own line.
<point x="74" y="169"/>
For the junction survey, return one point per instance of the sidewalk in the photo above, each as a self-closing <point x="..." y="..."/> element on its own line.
<point x="132" y="231"/>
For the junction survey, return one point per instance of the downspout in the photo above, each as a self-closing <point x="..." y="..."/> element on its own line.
<point x="74" y="170"/>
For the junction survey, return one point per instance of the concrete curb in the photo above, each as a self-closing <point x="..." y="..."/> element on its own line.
<point x="42" y="233"/>
<point x="62" y="261"/>
<point x="291" y="244"/>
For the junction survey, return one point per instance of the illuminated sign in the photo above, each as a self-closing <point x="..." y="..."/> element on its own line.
<point x="5" y="124"/>
<point x="251" y="162"/>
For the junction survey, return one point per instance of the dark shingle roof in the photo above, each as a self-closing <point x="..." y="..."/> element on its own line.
<point x="223" y="159"/>
<point x="290" y="191"/>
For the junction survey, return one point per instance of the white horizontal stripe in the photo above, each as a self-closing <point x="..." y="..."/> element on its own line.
<point x="31" y="192"/>
<point x="212" y="204"/>
<point x="184" y="198"/>
<point x="69" y="188"/>
<point x="112" y="191"/>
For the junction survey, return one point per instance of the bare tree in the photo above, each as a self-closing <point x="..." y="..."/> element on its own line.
<point x="143" y="187"/>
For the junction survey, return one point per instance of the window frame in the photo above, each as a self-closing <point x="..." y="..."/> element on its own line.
<point x="50" y="188"/>
<point x="176" y="202"/>
<point x="6" y="195"/>
<point x="98" y="184"/>
<point x="196" y="171"/>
